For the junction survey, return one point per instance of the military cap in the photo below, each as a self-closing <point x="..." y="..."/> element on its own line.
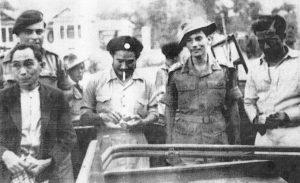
<point x="194" y="25"/>
<point x="126" y="43"/>
<point x="26" y="19"/>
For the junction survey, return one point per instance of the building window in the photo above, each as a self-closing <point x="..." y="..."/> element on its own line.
<point x="70" y="31"/>
<point x="62" y="32"/>
<point x="50" y="36"/>
<point x="3" y="30"/>
<point x="79" y="31"/>
<point x="10" y="34"/>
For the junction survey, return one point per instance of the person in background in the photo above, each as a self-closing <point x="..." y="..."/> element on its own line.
<point x="272" y="95"/>
<point x="75" y="69"/>
<point x="121" y="101"/>
<point x="29" y="28"/>
<point x="156" y="132"/>
<point x="36" y="134"/>
<point x="201" y="95"/>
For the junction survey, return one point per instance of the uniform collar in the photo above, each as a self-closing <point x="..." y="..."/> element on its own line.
<point x="289" y="55"/>
<point x="165" y="67"/>
<point x="211" y="65"/>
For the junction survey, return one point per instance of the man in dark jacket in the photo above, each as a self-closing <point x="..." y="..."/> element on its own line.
<point x="36" y="135"/>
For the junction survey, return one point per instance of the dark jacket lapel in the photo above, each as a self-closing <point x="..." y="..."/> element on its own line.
<point x="15" y="106"/>
<point x="14" y="103"/>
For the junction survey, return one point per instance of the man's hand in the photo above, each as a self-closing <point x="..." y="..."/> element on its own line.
<point x="14" y="163"/>
<point x="111" y="117"/>
<point x="276" y="120"/>
<point x="37" y="166"/>
<point x="133" y="122"/>
<point x="258" y="126"/>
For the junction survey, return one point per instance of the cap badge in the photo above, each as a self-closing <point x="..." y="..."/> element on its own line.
<point x="127" y="46"/>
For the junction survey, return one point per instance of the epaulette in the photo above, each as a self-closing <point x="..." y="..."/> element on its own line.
<point x="175" y="67"/>
<point x="226" y="66"/>
<point x="51" y="53"/>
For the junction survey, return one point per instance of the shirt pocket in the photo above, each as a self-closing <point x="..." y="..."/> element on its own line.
<point x="216" y="92"/>
<point x="186" y="93"/>
<point x="104" y="103"/>
<point x="141" y="107"/>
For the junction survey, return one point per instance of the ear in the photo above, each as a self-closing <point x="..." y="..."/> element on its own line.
<point x="42" y="64"/>
<point x="210" y="39"/>
<point x="282" y="36"/>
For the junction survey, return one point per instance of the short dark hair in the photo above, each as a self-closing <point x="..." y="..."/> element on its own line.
<point x="171" y="50"/>
<point x="37" y="51"/>
<point x="264" y="22"/>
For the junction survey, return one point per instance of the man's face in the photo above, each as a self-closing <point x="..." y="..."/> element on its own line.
<point x="26" y="68"/>
<point x="33" y="34"/>
<point x="76" y="73"/>
<point x="270" y="43"/>
<point x="124" y="61"/>
<point x="197" y="44"/>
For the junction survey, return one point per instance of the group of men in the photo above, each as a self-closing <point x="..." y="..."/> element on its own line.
<point x="194" y="102"/>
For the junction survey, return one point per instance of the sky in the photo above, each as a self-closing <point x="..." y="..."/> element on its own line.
<point x="52" y="7"/>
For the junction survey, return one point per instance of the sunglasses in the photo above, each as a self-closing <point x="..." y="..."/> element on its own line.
<point x="37" y="31"/>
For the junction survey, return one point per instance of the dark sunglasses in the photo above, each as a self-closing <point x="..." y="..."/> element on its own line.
<point x="30" y="31"/>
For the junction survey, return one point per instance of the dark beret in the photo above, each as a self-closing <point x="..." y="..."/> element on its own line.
<point x="126" y="43"/>
<point x="264" y="22"/>
<point x="26" y="19"/>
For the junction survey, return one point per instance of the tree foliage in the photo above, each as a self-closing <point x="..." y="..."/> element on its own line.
<point x="4" y="4"/>
<point x="164" y="16"/>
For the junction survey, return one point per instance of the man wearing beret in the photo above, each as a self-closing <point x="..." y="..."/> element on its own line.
<point x="30" y="27"/>
<point x="201" y="96"/>
<point x="272" y="95"/>
<point x="121" y="101"/>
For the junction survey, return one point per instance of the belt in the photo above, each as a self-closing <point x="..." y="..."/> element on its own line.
<point x="199" y="119"/>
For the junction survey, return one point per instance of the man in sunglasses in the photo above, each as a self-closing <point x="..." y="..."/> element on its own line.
<point x="30" y="28"/>
<point x="272" y="95"/>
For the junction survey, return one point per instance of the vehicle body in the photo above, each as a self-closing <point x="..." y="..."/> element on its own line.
<point x="243" y="163"/>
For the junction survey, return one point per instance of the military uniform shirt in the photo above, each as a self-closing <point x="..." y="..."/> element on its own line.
<point x="200" y="101"/>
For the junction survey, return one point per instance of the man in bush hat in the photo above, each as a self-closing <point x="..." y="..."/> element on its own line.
<point x="30" y="28"/>
<point x="201" y="96"/>
<point x="121" y="101"/>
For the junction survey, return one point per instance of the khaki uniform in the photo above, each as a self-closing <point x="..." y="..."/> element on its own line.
<point x="204" y="105"/>
<point x="76" y="102"/>
<point x="53" y="73"/>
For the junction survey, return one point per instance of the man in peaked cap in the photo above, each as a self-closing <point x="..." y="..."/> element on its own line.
<point x="201" y="96"/>
<point x="121" y="101"/>
<point x="29" y="28"/>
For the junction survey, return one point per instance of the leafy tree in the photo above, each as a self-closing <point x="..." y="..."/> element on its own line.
<point x="288" y="12"/>
<point x="4" y="4"/>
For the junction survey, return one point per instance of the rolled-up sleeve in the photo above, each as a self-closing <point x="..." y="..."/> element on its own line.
<point x="152" y="100"/>
<point x="89" y="96"/>
<point x="250" y="97"/>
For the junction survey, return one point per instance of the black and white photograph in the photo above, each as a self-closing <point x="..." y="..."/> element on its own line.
<point x="148" y="91"/>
